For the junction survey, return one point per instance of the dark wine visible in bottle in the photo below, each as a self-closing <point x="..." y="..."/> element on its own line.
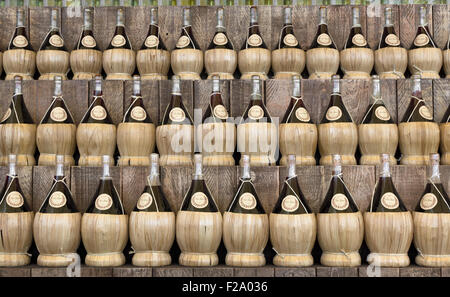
<point x="256" y="110"/>
<point x="87" y="39"/>
<point x="336" y="110"/>
<point x="287" y="36"/>
<point x="356" y="37"/>
<point x="20" y="38"/>
<point x="417" y="111"/>
<point x="216" y="112"/>
<point x="97" y="112"/>
<point x="58" y="112"/>
<point x="120" y="38"/>
<point x="323" y="38"/>
<point x="220" y="39"/>
<point x="254" y="38"/>
<point x="296" y="111"/>
<point x="136" y="112"/>
<point x="17" y="113"/>
<point x="186" y="39"/>
<point x="389" y="38"/>
<point x="377" y="112"/>
<point x="423" y="37"/>
<point x="12" y="197"/>
<point x="54" y="39"/>
<point x="153" y="39"/>
<point x="176" y="112"/>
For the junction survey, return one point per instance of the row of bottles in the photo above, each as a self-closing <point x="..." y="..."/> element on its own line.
<point x="187" y="60"/>
<point x="387" y="226"/>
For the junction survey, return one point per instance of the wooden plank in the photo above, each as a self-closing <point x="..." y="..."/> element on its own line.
<point x="221" y="182"/>
<point x="339" y="24"/>
<point x="15" y="272"/>
<point x="104" y="25"/>
<point x="134" y="180"/>
<point x="295" y="272"/>
<point x="445" y="272"/>
<point x="201" y="25"/>
<point x="173" y="271"/>
<point x="265" y="271"/>
<point x="240" y="91"/>
<point x="404" y="87"/>
<point x="441" y="98"/>
<point x="389" y="95"/>
<point x="445" y="177"/>
<point x="37" y="271"/>
<point x="409" y="21"/>
<point x="316" y="94"/>
<point x="375" y="22"/>
<point x="71" y="25"/>
<point x="8" y="25"/>
<point x="217" y="271"/>
<point x="25" y="174"/>
<point x="305" y="20"/>
<point x="202" y="94"/>
<point x="169" y="31"/>
<point x="132" y="271"/>
<point x="43" y="177"/>
<point x="278" y="96"/>
<point x="113" y="92"/>
<point x="187" y="94"/>
<point x="87" y="271"/>
<point x="176" y="182"/>
<point x="277" y="23"/>
<point x="441" y="23"/>
<point x="39" y="25"/>
<point x="323" y="271"/>
<point x="416" y="271"/>
<point x="371" y="271"/>
<point x="410" y="183"/>
<point x="355" y="95"/>
<point x="150" y="95"/>
<point x="137" y="23"/>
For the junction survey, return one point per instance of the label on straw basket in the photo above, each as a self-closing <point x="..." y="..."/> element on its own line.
<point x="302" y="114"/>
<point x="151" y="41"/>
<point x="220" y="112"/>
<point x="424" y="111"/>
<point x="103" y="202"/>
<point x="14" y="199"/>
<point x="56" y="41"/>
<point x="144" y="201"/>
<point x="98" y="113"/>
<point x="421" y="40"/>
<point x="290" y="40"/>
<point x="118" y="41"/>
<point x="138" y="113"/>
<point x="177" y="114"/>
<point x="389" y="201"/>
<point x="58" y="114"/>
<point x="290" y="203"/>
<point x="199" y="200"/>
<point x="254" y="40"/>
<point x="88" y="41"/>
<point x="339" y="202"/>
<point x="20" y="41"/>
<point x="382" y="113"/>
<point x="255" y="112"/>
<point x="428" y="201"/>
<point x="324" y="39"/>
<point x="183" y="41"/>
<point x="220" y="39"/>
<point x="57" y="199"/>
<point x="334" y="113"/>
<point x="247" y="201"/>
<point x="359" y="40"/>
<point x="392" y="40"/>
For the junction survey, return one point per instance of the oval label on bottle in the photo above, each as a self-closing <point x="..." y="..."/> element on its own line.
<point x="177" y="114"/>
<point x="14" y="199"/>
<point x="428" y="201"/>
<point x="334" y="113"/>
<point x="389" y="200"/>
<point x="20" y="41"/>
<point x="103" y="202"/>
<point x="424" y="111"/>
<point x="382" y="113"/>
<point x="151" y="41"/>
<point x="290" y="203"/>
<point x="220" y="39"/>
<point x="138" y="113"/>
<point x="302" y="114"/>
<point x="339" y="202"/>
<point x="57" y="199"/>
<point x="118" y="41"/>
<point x="88" y="41"/>
<point x="56" y="41"/>
<point x="392" y="40"/>
<point x="7" y="115"/>
<point x="254" y="40"/>
<point x="183" y="41"/>
<point x="220" y="112"/>
<point x="255" y="112"/>
<point x="421" y="40"/>
<point x="144" y="201"/>
<point x="58" y="114"/>
<point x="247" y="201"/>
<point x="324" y="39"/>
<point x="199" y="200"/>
<point x="98" y="113"/>
<point x="359" y="40"/>
<point x="290" y="40"/>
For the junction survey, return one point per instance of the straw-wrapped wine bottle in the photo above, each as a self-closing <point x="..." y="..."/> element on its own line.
<point x="288" y="58"/>
<point x="57" y="224"/>
<point x="391" y="58"/>
<point x="217" y="134"/>
<point x="446" y="54"/>
<point x="254" y="56"/>
<point x="153" y="59"/>
<point x="175" y="135"/>
<point x="104" y="225"/>
<point x="198" y="223"/>
<point x="86" y="59"/>
<point x="293" y="225"/>
<point x="56" y="133"/>
<point x="17" y="130"/>
<point x="357" y="57"/>
<point x="424" y="57"/>
<point x="322" y="57"/>
<point x="52" y="57"/>
<point x="16" y="221"/>
<point x="256" y="132"/>
<point x="340" y="224"/>
<point x="136" y="133"/>
<point x="432" y="221"/>
<point x="418" y="133"/>
<point x="245" y="224"/>
<point x="298" y="134"/>
<point x="388" y="224"/>
<point x="377" y="133"/>
<point x="186" y="58"/>
<point x="152" y="223"/>
<point x="445" y="138"/>
<point x="119" y="59"/>
<point x="220" y="57"/>
<point x="19" y="59"/>
<point x="96" y="133"/>
<point x="337" y="131"/>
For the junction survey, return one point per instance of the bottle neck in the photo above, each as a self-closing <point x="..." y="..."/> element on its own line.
<point x="154" y="17"/>
<point x="287" y="16"/>
<point x="137" y="88"/>
<point x="19" y="18"/>
<point x="246" y="171"/>
<point x="291" y="169"/>
<point x="54" y="19"/>
<point x="423" y="16"/>
<point x="59" y="170"/>
<point x="337" y="170"/>
<point x="176" y="89"/>
<point x="416" y="86"/>
<point x="388" y="18"/>
<point x="87" y="20"/>
<point x="18" y="87"/>
<point x="154" y="175"/>
<point x="120" y="21"/>
<point x="435" y="175"/>
<point x="198" y="171"/>
<point x="376" y="91"/>
<point x="106" y="173"/>
<point x="256" y="90"/>
<point x="355" y="18"/>
<point x="385" y="169"/>
<point x="336" y="86"/>
<point x="216" y="86"/>
<point x="220" y="26"/>
<point x="186" y="18"/>
<point x="12" y="169"/>
<point x="323" y="16"/>
<point x="58" y="88"/>
<point x="98" y="88"/>
<point x="296" y="92"/>
<point x="253" y="16"/>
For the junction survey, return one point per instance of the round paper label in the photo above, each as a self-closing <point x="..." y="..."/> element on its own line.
<point x="58" y="114"/>
<point x="254" y="40"/>
<point x="392" y="40"/>
<point x="144" y="201"/>
<point x="247" y="201"/>
<point x="7" y="115"/>
<point x="333" y="113"/>
<point x="20" y="41"/>
<point x="220" y="112"/>
<point x="290" y="203"/>
<point x="88" y="41"/>
<point x="177" y="114"/>
<point x="183" y="41"/>
<point x="103" y="202"/>
<point x="220" y="39"/>
<point x="428" y="201"/>
<point x="302" y="114"/>
<point x="389" y="201"/>
<point x="118" y="41"/>
<point x="424" y="111"/>
<point x="199" y="200"/>
<point x="290" y="40"/>
<point x="339" y="202"/>
<point x="57" y="199"/>
<point x="421" y="40"/>
<point x="151" y="41"/>
<point x="359" y="40"/>
<point x="382" y="113"/>
<point x="324" y="39"/>
<point x="138" y="113"/>
<point x="255" y="112"/>
<point x="98" y="113"/>
<point x="14" y="199"/>
<point x="56" y="41"/>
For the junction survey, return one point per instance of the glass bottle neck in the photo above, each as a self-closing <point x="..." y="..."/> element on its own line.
<point x="12" y="169"/>
<point x="423" y="17"/>
<point x="385" y="169"/>
<point x="253" y="16"/>
<point x="198" y="171"/>
<point x="106" y="173"/>
<point x="388" y="18"/>
<point x="87" y="20"/>
<point x="287" y="16"/>
<point x="19" y="18"/>
<point x="137" y="88"/>
<point x="58" y="88"/>
<point x="18" y="87"/>
<point x="220" y="26"/>
<point x="120" y="21"/>
<point x="376" y="90"/>
<point x="323" y="16"/>
<point x="186" y="18"/>
<point x="245" y="175"/>
<point x="59" y="170"/>
<point x="355" y="18"/>
<point x="154" y="175"/>
<point x="336" y="86"/>
<point x="154" y="17"/>
<point x="54" y="19"/>
<point x="435" y="175"/>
